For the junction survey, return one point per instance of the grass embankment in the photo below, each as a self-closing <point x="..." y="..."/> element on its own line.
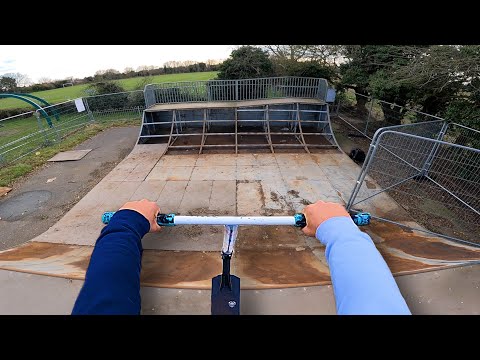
<point x="14" y="129"/>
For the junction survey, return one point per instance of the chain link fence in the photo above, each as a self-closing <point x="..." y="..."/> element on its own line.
<point x="26" y="133"/>
<point x="432" y="170"/>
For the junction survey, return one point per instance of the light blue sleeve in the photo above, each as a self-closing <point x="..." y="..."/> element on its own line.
<point x="362" y="281"/>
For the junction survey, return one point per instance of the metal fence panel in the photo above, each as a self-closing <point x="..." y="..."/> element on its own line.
<point x="435" y="181"/>
<point x="31" y="131"/>
<point x="462" y="135"/>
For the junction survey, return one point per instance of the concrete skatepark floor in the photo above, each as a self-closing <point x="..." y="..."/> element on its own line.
<point x="179" y="262"/>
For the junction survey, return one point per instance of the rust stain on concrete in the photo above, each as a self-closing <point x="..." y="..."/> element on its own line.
<point x="265" y="257"/>
<point x="35" y="250"/>
<point x="82" y="263"/>
<point x="420" y="246"/>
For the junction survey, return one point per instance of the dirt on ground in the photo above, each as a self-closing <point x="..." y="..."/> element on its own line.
<point x="347" y="137"/>
<point x="40" y="199"/>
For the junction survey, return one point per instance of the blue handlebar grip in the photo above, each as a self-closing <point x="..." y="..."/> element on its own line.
<point x="107" y="216"/>
<point x="361" y="219"/>
<point x="300" y="220"/>
<point x="166" y="219"/>
<point x="162" y="219"/>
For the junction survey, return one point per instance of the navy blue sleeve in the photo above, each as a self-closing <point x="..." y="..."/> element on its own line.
<point x="112" y="281"/>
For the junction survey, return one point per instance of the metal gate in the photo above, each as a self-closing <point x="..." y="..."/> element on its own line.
<point x="432" y="170"/>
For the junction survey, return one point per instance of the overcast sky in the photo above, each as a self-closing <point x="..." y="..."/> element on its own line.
<point x="61" y="61"/>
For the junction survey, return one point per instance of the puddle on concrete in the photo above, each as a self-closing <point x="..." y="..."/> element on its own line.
<point x="23" y="204"/>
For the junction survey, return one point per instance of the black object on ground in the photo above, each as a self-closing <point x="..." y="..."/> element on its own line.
<point x="357" y="155"/>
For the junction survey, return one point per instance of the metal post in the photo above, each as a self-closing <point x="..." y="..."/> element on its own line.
<point x="236" y="90"/>
<point x="202" y="142"/>
<point x="267" y="122"/>
<point x="40" y="127"/>
<point x="89" y="112"/>
<point x="366" y="165"/>
<point x="300" y="130"/>
<point x="236" y="131"/>
<point x="433" y="153"/>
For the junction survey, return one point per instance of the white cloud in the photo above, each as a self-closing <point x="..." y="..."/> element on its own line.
<point x="61" y="61"/>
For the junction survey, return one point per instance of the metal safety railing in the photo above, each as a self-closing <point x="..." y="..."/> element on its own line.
<point x="27" y="133"/>
<point x="235" y="90"/>
<point x="432" y="170"/>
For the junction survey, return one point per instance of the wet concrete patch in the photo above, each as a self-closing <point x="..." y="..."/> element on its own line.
<point x="180" y="268"/>
<point x="23" y="204"/>
<point x="399" y="265"/>
<point x="289" y="267"/>
<point x="268" y="237"/>
<point x="420" y="246"/>
<point x="370" y="184"/>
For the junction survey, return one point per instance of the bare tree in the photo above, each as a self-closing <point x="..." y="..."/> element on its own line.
<point x="288" y="52"/>
<point x="187" y="62"/>
<point x="145" y="67"/>
<point x="442" y="65"/>
<point x="211" y="62"/>
<point x="44" y="80"/>
<point x="322" y="53"/>
<point x="171" y="64"/>
<point x="325" y="53"/>
<point x="21" y="79"/>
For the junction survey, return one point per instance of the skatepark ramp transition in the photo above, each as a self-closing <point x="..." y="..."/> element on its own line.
<point x="276" y="114"/>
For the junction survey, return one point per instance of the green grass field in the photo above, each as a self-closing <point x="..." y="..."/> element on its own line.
<point x="68" y="93"/>
<point x="15" y="129"/>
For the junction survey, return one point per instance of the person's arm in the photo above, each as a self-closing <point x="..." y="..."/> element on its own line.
<point x="362" y="281"/>
<point x="112" y="281"/>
